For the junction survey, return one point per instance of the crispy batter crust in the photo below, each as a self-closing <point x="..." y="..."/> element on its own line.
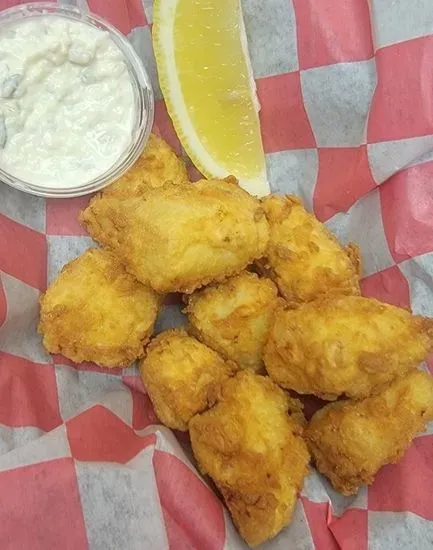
<point x="182" y="377"/>
<point x="253" y="450"/>
<point x="180" y="237"/>
<point x="303" y="257"/>
<point x="234" y="317"/>
<point x="350" y="345"/>
<point x="157" y="164"/>
<point x="96" y="311"/>
<point x="351" y="440"/>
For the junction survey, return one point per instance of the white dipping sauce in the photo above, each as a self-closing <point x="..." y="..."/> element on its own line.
<point x="67" y="102"/>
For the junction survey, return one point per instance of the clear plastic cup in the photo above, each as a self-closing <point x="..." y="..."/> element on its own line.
<point x="144" y="100"/>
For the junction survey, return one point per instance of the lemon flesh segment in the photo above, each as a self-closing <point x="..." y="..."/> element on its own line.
<point x="205" y="77"/>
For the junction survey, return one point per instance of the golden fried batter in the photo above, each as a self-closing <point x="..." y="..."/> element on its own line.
<point x="157" y="164"/>
<point x="253" y="450"/>
<point x="182" y="377"/>
<point x="234" y="317"/>
<point x="303" y="257"/>
<point x="96" y="311"/>
<point x="179" y="237"/>
<point x="350" y="345"/>
<point x="351" y="440"/>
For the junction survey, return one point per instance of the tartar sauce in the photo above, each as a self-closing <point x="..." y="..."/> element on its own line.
<point x="66" y="102"/>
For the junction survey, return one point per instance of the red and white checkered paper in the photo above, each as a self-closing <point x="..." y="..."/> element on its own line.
<point x="346" y="90"/>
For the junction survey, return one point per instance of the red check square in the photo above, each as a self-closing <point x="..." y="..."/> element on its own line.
<point x="283" y="118"/>
<point x="351" y="530"/>
<point x="28" y="260"/>
<point x="62" y="216"/>
<point x="29" y="394"/>
<point x="123" y="14"/>
<point x="344" y="177"/>
<point x="389" y="286"/>
<point x="3" y="304"/>
<point x="406" y="201"/>
<point x="194" y="173"/>
<point x="143" y="414"/>
<point x="98" y="435"/>
<point x="318" y="515"/>
<point x="403" y="487"/>
<point x="332" y="31"/>
<point x="164" y="126"/>
<point x="173" y="299"/>
<point x="40" y="508"/>
<point x="311" y="403"/>
<point x="193" y="522"/>
<point x="403" y="96"/>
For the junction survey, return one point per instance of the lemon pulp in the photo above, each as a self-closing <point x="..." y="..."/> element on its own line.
<point x="211" y="96"/>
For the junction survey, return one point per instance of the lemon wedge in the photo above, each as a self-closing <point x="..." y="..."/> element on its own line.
<point x="206" y="79"/>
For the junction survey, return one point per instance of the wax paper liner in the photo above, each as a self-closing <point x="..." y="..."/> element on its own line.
<point x="346" y="93"/>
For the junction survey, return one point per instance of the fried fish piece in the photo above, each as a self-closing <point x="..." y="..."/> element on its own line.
<point x="157" y="164"/>
<point x="182" y="376"/>
<point x="234" y="317"/>
<point x="351" y="440"/>
<point x="96" y="311"/>
<point x="180" y="237"/>
<point x="350" y="345"/>
<point x="253" y="450"/>
<point x="303" y="257"/>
